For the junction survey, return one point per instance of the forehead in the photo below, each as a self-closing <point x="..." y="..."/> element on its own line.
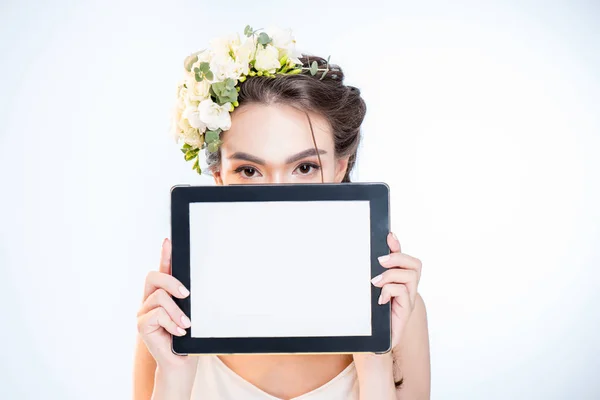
<point x="275" y="131"/>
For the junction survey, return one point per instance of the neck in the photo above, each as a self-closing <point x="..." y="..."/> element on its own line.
<point x="289" y="375"/>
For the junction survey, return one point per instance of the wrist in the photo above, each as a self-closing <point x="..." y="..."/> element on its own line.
<point x="173" y="383"/>
<point x="375" y="376"/>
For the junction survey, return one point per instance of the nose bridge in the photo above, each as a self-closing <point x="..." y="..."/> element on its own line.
<point x="279" y="175"/>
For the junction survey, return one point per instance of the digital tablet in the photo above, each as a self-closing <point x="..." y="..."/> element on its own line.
<point x="283" y="268"/>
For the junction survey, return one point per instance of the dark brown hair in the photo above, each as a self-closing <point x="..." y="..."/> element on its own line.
<point x="341" y="105"/>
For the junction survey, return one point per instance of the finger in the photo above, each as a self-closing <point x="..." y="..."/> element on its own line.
<point x="401" y="260"/>
<point x="165" y="257"/>
<point x="393" y="243"/>
<point x="158" y="280"/>
<point x="396" y="291"/>
<point x="157" y="319"/>
<point x="160" y="298"/>
<point x="406" y="277"/>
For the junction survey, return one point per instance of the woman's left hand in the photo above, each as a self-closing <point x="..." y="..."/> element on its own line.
<point x="380" y="375"/>
<point x="399" y="285"/>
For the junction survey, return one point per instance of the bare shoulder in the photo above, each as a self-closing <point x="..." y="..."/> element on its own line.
<point x="412" y="359"/>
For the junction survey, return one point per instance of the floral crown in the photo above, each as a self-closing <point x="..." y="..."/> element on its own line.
<point x="208" y="93"/>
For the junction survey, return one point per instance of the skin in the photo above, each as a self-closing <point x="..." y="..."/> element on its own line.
<point x="273" y="144"/>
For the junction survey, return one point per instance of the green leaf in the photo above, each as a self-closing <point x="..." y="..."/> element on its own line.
<point x="211" y="136"/>
<point x="230" y="83"/>
<point x="231" y="97"/>
<point x="218" y="88"/>
<point x="225" y="92"/>
<point x="313" y="68"/>
<point x="248" y="31"/>
<point x="190" y="155"/>
<point x="184" y="151"/>
<point x="196" y="167"/>
<point x="323" y="76"/>
<point x="328" y="57"/>
<point x="204" y="67"/>
<point x="264" y="39"/>
<point x="209" y="75"/>
<point x="187" y="146"/>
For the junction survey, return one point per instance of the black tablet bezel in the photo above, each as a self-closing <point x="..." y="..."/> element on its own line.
<point x="378" y="196"/>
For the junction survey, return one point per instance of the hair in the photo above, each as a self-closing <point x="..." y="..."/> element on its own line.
<point x="341" y="105"/>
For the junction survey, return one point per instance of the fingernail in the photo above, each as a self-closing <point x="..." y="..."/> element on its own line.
<point x="184" y="291"/>
<point x="376" y="279"/>
<point x="394" y="236"/>
<point x="181" y="331"/>
<point x="186" y="321"/>
<point x="380" y="298"/>
<point x="383" y="259"/>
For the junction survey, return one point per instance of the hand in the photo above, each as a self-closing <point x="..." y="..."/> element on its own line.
<point x="399" y="285"/>
<point x="159" y="316"/>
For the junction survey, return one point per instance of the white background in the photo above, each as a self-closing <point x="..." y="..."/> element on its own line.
<point x="483" y="118"/>
<point x="275" y="269"/>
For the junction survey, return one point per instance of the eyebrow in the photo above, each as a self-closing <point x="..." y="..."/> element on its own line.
<point x="296" y="157"/>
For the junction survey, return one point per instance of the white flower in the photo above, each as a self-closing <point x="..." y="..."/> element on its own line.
<point x="294" y="55"/>
<point x="214" y="115"/>
<point x="282" y="38"/>
<point x="202" y="56"/>
<point x="175" y="130"/>
<point x="285" y="42"/>
<point x="192" y="115"/>
<point x="247" y="51"/>
<point x="197" y="91"/>
<point x="190" y="135"/>
<point x="267" y="59"/>
<point x="226" y="67"/>
<point x="226" y="45"/>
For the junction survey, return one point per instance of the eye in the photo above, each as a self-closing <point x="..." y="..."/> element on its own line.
<point x="307" y="168"/>
<point x="247" y="171"/>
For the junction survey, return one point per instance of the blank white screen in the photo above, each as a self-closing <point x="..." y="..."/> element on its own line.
<point x="280" y="269"/>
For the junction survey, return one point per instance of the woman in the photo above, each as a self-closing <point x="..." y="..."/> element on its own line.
<point x="290" y="120"/>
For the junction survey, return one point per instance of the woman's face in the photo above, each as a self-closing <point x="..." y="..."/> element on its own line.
<point x="273" y="144"/>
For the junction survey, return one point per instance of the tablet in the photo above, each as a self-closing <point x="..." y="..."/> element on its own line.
<point x="282" y="268"/>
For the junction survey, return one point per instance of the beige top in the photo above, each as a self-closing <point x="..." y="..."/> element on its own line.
<point x="216" y="381"/>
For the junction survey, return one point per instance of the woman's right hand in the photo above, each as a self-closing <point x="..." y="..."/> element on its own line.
<point x="159" y="316"/>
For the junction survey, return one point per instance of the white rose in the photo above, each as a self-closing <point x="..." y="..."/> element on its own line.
<point x="214" y="115"/>
<point x="197" y="91"/>
<point x="192" y="115"/>
<point x="267" y="59"/>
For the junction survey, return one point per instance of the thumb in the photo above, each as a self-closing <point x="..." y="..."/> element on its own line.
<point x="165" y="257"/>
